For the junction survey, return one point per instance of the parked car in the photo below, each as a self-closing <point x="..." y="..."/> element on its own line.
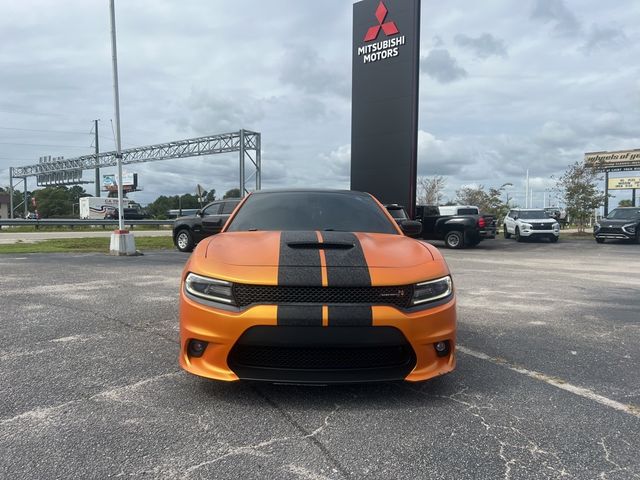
<point x="316" y="286"/>
<point x="189" y="230"/>
<point x="458" y="225"/>
<point x="523" y="223"/>
<point x="620" y="224"/>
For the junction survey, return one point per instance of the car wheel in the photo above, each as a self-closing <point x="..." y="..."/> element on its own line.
<point x="553" y="238"/>
<point x="454" y="240"/>
<point x="184" y="240"/>
<point x="600" y="240"/>
<point x="517" y="235"/>
<point x="507" y="235"/>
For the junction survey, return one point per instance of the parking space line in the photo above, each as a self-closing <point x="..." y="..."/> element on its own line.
<point x="554" y="381"/>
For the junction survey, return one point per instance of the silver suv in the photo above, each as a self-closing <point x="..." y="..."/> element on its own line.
<point x="530" y="223"/>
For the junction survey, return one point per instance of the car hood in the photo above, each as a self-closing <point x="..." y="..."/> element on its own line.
<point x="538" y="220"/>
<point x="263" y="257"/>
<point x="616" y="223"/>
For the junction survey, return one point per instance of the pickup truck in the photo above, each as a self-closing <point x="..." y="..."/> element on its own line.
<point x="458" y="225"/>
<point x="189" y="230"/>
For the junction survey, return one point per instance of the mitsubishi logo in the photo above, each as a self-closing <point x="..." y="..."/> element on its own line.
<point x="389" y="28"/>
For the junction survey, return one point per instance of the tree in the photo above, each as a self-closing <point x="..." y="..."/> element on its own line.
<point x="431" y="190"/>
<point x="578" y="187"/>
<point x="626" y="203"/>
<point x="54" y="202"/>
<point x="161" y="205"/>
<point x="210" y="196"/>
<point x="233" y="193"/>
<point x="489" y="202"/>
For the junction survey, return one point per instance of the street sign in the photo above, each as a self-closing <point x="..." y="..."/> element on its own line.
<point x="628" y="183"/>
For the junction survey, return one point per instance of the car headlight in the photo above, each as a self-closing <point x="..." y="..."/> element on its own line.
<point x="556" y="226"/>
<point x="432" y="290"/>
<point x="526" y="226"/>
<point x="209" y="288"/>
<point x="629" y="228"/>
<point x="596" y="226"/>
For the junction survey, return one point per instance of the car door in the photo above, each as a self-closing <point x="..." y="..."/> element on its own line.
<point x="212" y="219"/>
<point x="509" y="222"/>
<point x="430" y="216"/>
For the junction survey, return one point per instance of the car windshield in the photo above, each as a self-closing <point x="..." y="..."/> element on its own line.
<point x="339" y="211"/>
<point x="532" y="214"/>
<point x="626" y="214"/>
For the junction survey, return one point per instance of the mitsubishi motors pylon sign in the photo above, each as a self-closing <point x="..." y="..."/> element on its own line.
<point x="384" y="112"/>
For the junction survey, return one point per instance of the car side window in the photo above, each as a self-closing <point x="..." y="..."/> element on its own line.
<point x="228" y="207"/>
<point x="212" y="209"/>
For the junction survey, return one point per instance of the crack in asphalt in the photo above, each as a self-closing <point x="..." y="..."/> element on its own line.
<point x="311" y="436"/>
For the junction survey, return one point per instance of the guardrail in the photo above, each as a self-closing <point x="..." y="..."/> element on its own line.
<point x="71" y="222"/>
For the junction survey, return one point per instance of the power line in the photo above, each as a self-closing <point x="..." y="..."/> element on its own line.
<point x="43" y="145"/>
<point x="41" y="130"/>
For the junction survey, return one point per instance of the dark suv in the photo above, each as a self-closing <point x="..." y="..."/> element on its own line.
<point x="620" y="224"/>
<point x="188" y="231"/>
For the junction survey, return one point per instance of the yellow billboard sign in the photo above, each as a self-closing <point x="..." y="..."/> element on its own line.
<point x="628" y="183"/>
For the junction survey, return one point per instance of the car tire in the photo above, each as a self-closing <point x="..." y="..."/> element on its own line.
<point x="517" y="235"/>
<point x="553" y="239"/>
<point x="184" y="240"/>
<point x="599" y="240"/>
<point x="454" y="240"/>
<point x="507" y="235"/>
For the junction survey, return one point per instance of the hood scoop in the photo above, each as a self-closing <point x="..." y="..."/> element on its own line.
<point x="321" y="245"/>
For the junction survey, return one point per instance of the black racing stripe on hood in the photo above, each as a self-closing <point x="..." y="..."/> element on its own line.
<point x="300" y="315"/>
<point x="346" y="267"/>
<point x="350" y="316"/>
<point x="299" y="267"/>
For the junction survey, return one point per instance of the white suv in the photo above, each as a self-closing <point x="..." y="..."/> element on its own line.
<point x="530" y="223"/>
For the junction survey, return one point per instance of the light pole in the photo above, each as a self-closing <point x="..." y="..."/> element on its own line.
<point x="122" y="242"/>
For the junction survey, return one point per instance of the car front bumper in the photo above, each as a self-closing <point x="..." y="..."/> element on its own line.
<point x="408" y="338"/>
<point x="539" y="233"/>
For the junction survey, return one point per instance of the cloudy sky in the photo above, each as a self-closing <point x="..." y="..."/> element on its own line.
<point x="504" y="86"/>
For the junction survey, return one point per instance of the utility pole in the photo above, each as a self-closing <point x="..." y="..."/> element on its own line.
<point x="95" y="126"/>
<point x="10" y="192"/>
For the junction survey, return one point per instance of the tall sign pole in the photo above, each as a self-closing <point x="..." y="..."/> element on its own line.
<point x="116" y="100"/>
<point x="384" y="112"/>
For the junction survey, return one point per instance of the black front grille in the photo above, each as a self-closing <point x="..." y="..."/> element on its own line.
<point x="617" y="230"/>
<point x="276" y="295"/>
<point x="321" y="358"/>
<point x="542" y="226"/>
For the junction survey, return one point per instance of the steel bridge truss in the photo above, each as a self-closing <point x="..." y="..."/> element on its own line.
<point x="245" y="142"/>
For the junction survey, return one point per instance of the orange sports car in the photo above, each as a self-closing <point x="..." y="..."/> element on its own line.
<point x="316" y="286"/>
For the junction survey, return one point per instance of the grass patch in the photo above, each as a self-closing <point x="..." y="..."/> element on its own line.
<point x="586" y="234"/>
<point x="78" y="228"/>
<point x="75" y="245"/>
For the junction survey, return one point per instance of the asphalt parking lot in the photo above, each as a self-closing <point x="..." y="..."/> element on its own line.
<point x="547" y="384"/>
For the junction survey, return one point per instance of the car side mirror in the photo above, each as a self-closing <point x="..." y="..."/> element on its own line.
<point x="200" y="213"/>
<point x="515" y="217"/>
<point x="411" y="228"/>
